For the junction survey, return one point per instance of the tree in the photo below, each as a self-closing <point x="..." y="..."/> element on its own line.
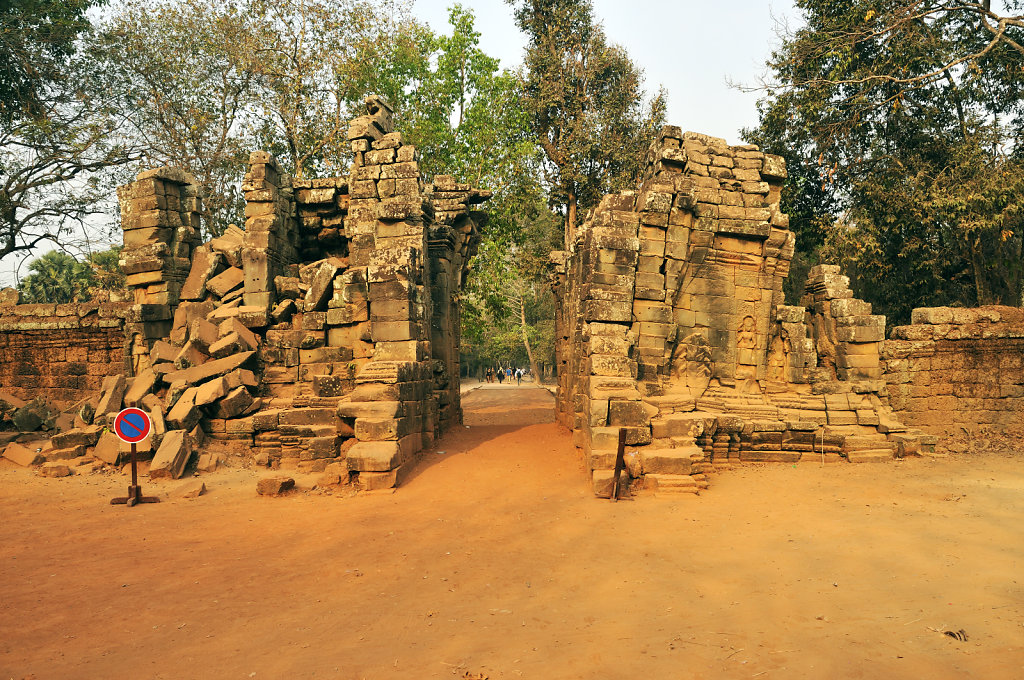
<point x="54" y="162"/>
<point x="910" y="114"/>
<point x="586" y="104"/>
<point x="177" y="72"/>
<point x="56" y="277"/>
<point x="37" y="39"/>
<point x="508" y="306"/>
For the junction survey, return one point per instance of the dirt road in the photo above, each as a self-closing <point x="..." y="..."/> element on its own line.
<point x="495" y="561"/>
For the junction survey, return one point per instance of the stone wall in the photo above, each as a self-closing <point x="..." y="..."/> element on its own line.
<point x="60" y="352"/>
<point x="953" y="370"/>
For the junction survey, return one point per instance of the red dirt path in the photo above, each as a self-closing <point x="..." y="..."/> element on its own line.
<point x="494" y="560"/>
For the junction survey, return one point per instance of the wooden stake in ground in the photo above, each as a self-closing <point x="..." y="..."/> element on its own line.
<point x="620" y="461"/>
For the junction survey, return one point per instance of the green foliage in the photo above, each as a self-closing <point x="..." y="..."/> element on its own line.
<point x="585" y="102"/>
<point x="57" y="137"/>
<point x="901" y="126"/>
<point x="59" y="278"/>
<point x="177" y="73"/>
<point x="56" y="277"/>
<point x="37" y="39"/>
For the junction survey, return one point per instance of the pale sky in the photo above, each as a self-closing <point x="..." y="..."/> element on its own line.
<point x="690" y="47"/>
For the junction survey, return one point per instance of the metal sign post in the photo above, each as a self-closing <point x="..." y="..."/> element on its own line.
<point x="132" y="425"/>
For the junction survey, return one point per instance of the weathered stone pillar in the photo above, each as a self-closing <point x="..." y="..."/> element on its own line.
<point x="160" y="219"/>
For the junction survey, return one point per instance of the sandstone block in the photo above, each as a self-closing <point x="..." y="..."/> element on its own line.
<point x="22" y="455"/>
<point x="113" y="394"/>
<point x="234" y="404"/>
<point x="108" y="448"/>
<point x="226" y="281"/>
<point x="677" y="461"/>
<point x="383" y="456"/>
<point x="184" y="415"/>
<point x="172" y="457"/>
<point x="141" y="385"/>
<point x="274" y="486"/>
<point x="55" y="470"/>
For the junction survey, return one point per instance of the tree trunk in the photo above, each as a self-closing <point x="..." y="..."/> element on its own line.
<point x="570" y="218"/>
<point x="526" y="339"/>
<point x="981" y="286"/>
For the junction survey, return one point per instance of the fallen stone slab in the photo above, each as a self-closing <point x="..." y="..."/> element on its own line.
<point x="67" y="453"/>
<point x="141" y="385"/>
<point x="172" y="456"/>
<point x="108" y="448"/>
<point x="112" y="397"/>
<point x="211" y="391"/>
<point x="185" y="415"/>
<point x="86" y="436"/>
<point x="237" y="401"/>
<point x="22" y="455"/>
<point x="55" y="470"/>
<point x="191" y="489"/>
<point x="208" y="462"/>
<point x="228" y="345"/>
<point x="203" y="334"/>
<point x="225" y="282"/>
<point x="204" y="266"/>
<point x="210" y="369"/>
<point x="233" y="325"/>
<point x="274" y="486"/>
<point x="152" y="405"/>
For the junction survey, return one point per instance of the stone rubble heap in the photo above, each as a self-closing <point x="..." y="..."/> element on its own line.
<point x="323" y="335"/>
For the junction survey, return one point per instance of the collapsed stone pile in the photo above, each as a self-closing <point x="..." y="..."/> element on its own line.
<point x="323" y="335"/>
<point x="672" y="324"/>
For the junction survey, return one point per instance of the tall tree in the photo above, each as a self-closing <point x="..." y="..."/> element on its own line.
<point x="57" y="134"/>
<point x="177" y="71"/>
<point x="37" y="39"/>
<point x="586" y="102"/>
<point x="910" y="114"/>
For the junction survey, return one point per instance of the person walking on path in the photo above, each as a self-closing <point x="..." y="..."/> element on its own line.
<point x="519" y="376"/>
<point x="501" y="376"/>
<point x="508" y="374"/>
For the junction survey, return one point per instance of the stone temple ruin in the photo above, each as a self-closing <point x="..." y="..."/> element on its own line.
<point x="324" y="335"/>
<point x="672" y="324"/>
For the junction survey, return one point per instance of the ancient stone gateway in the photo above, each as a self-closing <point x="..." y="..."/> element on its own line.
<point x="324" y="336"/>
<point x="326" y="332"/>
<point x="672" y="323"/>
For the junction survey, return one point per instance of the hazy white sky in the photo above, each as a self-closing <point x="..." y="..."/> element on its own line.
<point x="691" y="47"/>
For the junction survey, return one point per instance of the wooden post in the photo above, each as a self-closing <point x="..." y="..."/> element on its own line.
<point x="620" y="462"/>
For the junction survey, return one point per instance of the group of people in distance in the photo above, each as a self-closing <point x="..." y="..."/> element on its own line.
<point x="503" y="374"/>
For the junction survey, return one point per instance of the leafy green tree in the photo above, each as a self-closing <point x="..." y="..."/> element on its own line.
<point x="37" y="39"/>
<point x="585" y="100"/>
<point x="56" y="277"/>
<point x="903" y="122"/>
<point x="58" y="148"/>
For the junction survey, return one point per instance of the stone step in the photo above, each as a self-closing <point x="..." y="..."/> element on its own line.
<point x="868" y="442"/>
<point x="870" y="456"/>
<point x="671" y="485"/>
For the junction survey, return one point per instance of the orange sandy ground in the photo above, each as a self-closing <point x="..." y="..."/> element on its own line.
<point x="494" y="560"/>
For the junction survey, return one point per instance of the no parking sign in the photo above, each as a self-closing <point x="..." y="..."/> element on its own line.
<point x="132" y="425"/>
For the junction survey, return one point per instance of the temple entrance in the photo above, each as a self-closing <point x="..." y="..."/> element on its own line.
<point x="487" y="404"/>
